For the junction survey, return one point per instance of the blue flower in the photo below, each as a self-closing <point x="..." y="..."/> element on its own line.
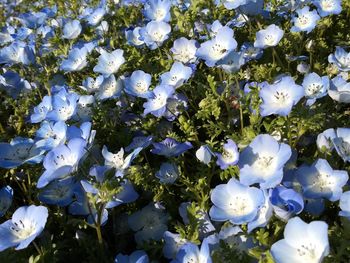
<point x="50" y="134"/>
<point x="138" y="84"/>
<point x="95" y="16"/>
<point x="17" y="52"/>
<point x="110" y="88"/>
<point x="133" y="37"/>
<point x="341" y="59"/>
<point x="232" y="62"/>
<point x="229" y="156"/>
<point x="158" y="10"/>
<point x="217" y="48"/>
<point x="71" y="29"/>
<point x="177" y="75"/>
<point x="235" y="202"/>
<point x="26" y="224"/>
<point x="170" y="147"/>
<point x="264" y="214"/>
<point x="315" y="87"/>
<point x="204" y="154"/>
<point x="148" y="223"/>
<point x="13" y="84"/>
<point x="269" y="37"/>
<point x="286" y="202"/>
<point x="63" y="106"/>
<point x="6" y="196"/>
<point x="250" y="52"/>
<point x="84" y="108"/>
<point x="263" y="160"/>
<point x="302" y="242"/>
<point x="189" y="252"/>
<point x="344" y="205"/>
<point x="62" y="161"/>
<point x="229" y="4"/>
<point x="155" y="33"/>
<point x="320" y="181"/>
<point x="280" y="97"/>
<point x="126" y="195"/>
<point x="184" y="50"/>
<point x="139" y="141"/>
<point x="138" y="256"/>
<point x="109" y="63"/>
<point x="117" y="160"/>
<point x="168" y="173"/>
<point x="59" y="193"/>
<point x="340" y="90"/>
<point x="40" y="111"/>
<point x="328" y="7"/>
<point x="32" y="19"/>
<point x="173" y="242"/>
<point x="91" y="85"/>
<point x="76" y="60"/>
<point x="305" y="20"/>
<point x="19" y="151"/>
<point x="175" y="105"/>
<point x="341" y="143"/>
<point x="156" y="105"/>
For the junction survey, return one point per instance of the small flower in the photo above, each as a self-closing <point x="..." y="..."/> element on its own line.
<point x="6" y="196"/>
<point x="265" y="212"/>
<point x="76" y="61"/>
<point x="341" y="59"/>
<point x="110" y="88"/>
<point x="235" y="202"/>
<point x="50" y="134"/>
<point x="328" y="7"/>
<point x="91" y="85"/>
<point x="156" y="105"/>
<point x="138" y="84"/>
<point x="229" y="156"/>
<point x="263" y="161"/>
<point x="305" y="20"/>
<point x="302" y="242"/>
<point x="139" y="141"/>
<point x="189" y="252"/>
<point x="342" y="143"/>
<point x="168" y="173"/>
<point x="71" y="29"/>
<point x="232" y="62"/>
<point x="229" y="4"/>
<point x="17" y="52"/>
<point x="158" y="10"/>
<point x="340" y="90"/>
<point x="59" y="193"/>
<point x="133" y="37"/>
<point x="204" y="154"/>
<point x="320" y="181"/>
<point x="26" y="224"/>
<point x="95" y="16"/>
<point x="170" y="147"/>
<point x="109" y="63"/>
<point x="64" y="106"/>
<point x="345" y="205"/>
<point x="155" y="33"/>
<point x="40" y="111"/>
<point x="280" y="97"/>
<point x="269" y="37"/>
<point x="177" y="75"/>
<point x="315" y="87"/>
<point x="173" y="243"/>
<point x="325" y="140"/>
<point x="184" y="50"/>
<point x="138" y="256"/>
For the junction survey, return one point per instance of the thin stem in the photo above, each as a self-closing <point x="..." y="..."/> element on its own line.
<point x="37" y="248"/>
<point x="241" y="117"/>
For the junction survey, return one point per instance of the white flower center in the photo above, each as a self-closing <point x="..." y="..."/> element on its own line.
<point x="327" y="5"/>
<point x="240" y="205"/>
<point x="141" y="87"/>
<point x="303" y="21"/>
<point x="308" y="252"/>
<point x="314" y="89"/>
<point x="23" y="229"/>
<point x="218" y="51"/>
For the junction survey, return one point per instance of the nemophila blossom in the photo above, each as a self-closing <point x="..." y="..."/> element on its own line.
<point x="265" y="212"/>
<point x="341" y="143"/>
<point x="204" y="154"/>
<point x="250" y="52"/>
<point x="175" y="105"/>
<point x="314" y="206"/>
<point x="133" y="37"/>
<point x="126" y="195"/>
<point x="340" y="58"/>
<point x="217" y="48"/>
<point x="340" y="90"/>
<point x="168" y="173"/>
<point x="232" y="4"/>
<point x="19" y="151"/>
<point x="110" y="88"/>
<point x="139" y="141"/>
<point x="315" y="87"/>
<point x="229" y="155"/>
<point x="64" y="106"/>
<point x="234" y="237"/>
<point x="51" y="134"/>
<point x="76" y="61"/>
<point x="320" y="181"/>
<point x="263" y="160"/>
<point x="32" y="19"/>
<point x="109" y="63"/>
<point x="173" y="242"/>
<point x="102" y="29"/>
<point x="91" y="85"/>
<point x="344" y="205"/>
<point x="177" y="75"/>
<point x="184" y="50"/>
<point x="324" y="140"/>
<point x="155" y="33"/>
<point x="235" y="202"/>
<point x="302" y="242"/>
<point x="268" y="37"/>
<point x="138" y="84"/>
<point x="95" y="16"/>
<point x="58" y="192"/>
<point x="117" y="160"/>
<point x="6" y="196"/>
<point x="17" y="52"/>
<point x="13" y="84"/>
<point x="170" y="147"/>
<point x="328" y="7"/>
<point x="156" y="105"/>
<point x="286" y="202"/>
<point x="232" y="62"/>
<point x="190" y="252"/>
<point x="26" y="224"/>
<point x="71" y="29"/>
<point x="84" y="107"/>
<point x="305" y="20"/>
<point x="157" y="10"/>
<point x="40" y="111"/>
<point x="84" y="132"/>
<point x="149" y="223"/>
<point x="138" y="256"/>
<point x="280" y="97"/>
<point x="62" y="161"/>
